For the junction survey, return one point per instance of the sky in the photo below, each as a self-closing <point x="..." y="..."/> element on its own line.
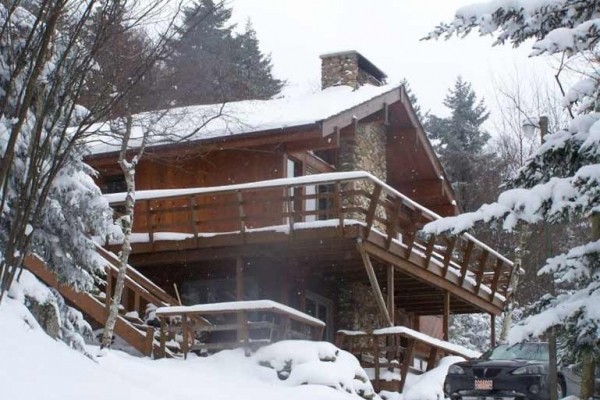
<point x="388" y="33"/>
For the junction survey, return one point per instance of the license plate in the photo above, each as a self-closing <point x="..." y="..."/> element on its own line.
<point x="483" y="384"/>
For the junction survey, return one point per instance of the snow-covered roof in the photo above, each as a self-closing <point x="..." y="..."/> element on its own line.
<point x="235" y="118"/>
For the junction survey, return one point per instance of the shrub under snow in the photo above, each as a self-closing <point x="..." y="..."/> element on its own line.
<point x="299" y="362"/>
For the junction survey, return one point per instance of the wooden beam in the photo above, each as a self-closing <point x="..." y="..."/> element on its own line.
<point x="391" y="301"/>
<point x="239" y="278"/>
<point x="493" y="330"/>
<point x="433" y="279"/>
<point x="446" y="316"/>
<point x="374" y="283"/>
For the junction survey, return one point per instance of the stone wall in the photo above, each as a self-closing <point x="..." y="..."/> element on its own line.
<point x="365" y="151"/>
<point x="339" y="70"/>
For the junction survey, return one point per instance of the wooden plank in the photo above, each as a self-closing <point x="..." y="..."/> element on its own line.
<point x="374" y="283"/>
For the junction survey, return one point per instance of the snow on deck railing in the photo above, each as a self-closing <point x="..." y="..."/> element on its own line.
<point x="118" y="198"/>
<point x="451" y="348"/>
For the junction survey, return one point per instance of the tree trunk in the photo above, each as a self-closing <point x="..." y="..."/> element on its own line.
<point x="126" y="224"/>
<point x="128" y="169"/>
<point x="587" y="374"/>
<point x="588" y="364"/>
<point x="523" y="233"/>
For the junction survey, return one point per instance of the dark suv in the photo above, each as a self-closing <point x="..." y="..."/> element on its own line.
<point x="518" y="371"/>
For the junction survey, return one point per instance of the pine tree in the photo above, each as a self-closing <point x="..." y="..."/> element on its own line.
<point x="414" y="101"/>
<point x="461" y="139"/>
<point x="561" y="182"/>
<point x="211" y="64"/>
<point x="49" y="203"/>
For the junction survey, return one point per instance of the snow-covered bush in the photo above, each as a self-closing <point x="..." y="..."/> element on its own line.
<point x="299" y="362"/>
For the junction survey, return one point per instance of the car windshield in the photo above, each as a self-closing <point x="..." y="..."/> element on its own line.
<point x="521" y="351"/>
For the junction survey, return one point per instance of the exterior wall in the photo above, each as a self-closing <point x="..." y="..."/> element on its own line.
<point x="215" y="213"/>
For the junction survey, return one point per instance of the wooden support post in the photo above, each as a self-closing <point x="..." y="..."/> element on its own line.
<point x="242" y="331"/>
<point x="184" y="327"/>
<point x="446" y="317"/>
<point x="163" y="338"/>
<point x="376" y="368"/>
<point x="373" y="279"/>
<point x="493" y="330"/>
<point x="148" y="345"/>
<point x="136" y="304"/>
<point x="390" y="293"/>
<point x="432" y="358"/>
<point x="407" y="361"/>
<point x="239" y="278"/>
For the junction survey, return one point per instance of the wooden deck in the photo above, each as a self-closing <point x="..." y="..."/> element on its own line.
<point x="352" y="220"/>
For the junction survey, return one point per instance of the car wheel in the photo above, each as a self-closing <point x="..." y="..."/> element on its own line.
<point x="560" y="388"/>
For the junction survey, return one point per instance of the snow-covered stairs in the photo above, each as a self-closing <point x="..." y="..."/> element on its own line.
<point x="129" y="326"/>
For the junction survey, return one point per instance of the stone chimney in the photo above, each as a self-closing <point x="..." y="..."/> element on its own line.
<point x="349" y="68"/>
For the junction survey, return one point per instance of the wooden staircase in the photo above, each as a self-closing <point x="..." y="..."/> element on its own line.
<point x="139" y="292"/>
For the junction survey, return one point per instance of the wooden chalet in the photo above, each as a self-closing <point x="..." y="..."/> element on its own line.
<point x="304" y="201"/>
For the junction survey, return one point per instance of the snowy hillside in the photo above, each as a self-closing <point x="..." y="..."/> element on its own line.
<point x="34" y="366"/>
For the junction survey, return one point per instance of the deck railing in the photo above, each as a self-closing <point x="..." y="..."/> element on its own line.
<point x="323" y="200"/>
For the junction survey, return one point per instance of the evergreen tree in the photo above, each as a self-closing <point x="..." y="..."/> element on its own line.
<point x="561" y="182"/>
<point x="460" y="140"/>
<point x="212" y="64"/>
<point x="413" y="100"/>
<point x="49" y="204"/>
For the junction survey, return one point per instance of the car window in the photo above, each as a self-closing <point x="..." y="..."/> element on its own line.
<point x="520" y="351"/>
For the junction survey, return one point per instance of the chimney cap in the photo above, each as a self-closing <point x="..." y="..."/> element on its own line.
<point x="363" y="63"/>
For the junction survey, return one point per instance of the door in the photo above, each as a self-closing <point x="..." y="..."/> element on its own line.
<point x="321" y="308"/>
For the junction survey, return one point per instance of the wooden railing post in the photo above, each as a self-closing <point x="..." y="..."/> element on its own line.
<point x="464" y="268"/>
<point x="149" y="222"/>
<point x="163" y="337"/>
<point x="372" y="209"/>
<point x="193" y="216"/>
<point x="241" y="213"/>
<point x="185" y="329"/>
<point x="338" y="206"/>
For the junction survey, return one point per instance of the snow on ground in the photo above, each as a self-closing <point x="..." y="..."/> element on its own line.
<point x="33" y="366"/>
<point x="429" y="386"/>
